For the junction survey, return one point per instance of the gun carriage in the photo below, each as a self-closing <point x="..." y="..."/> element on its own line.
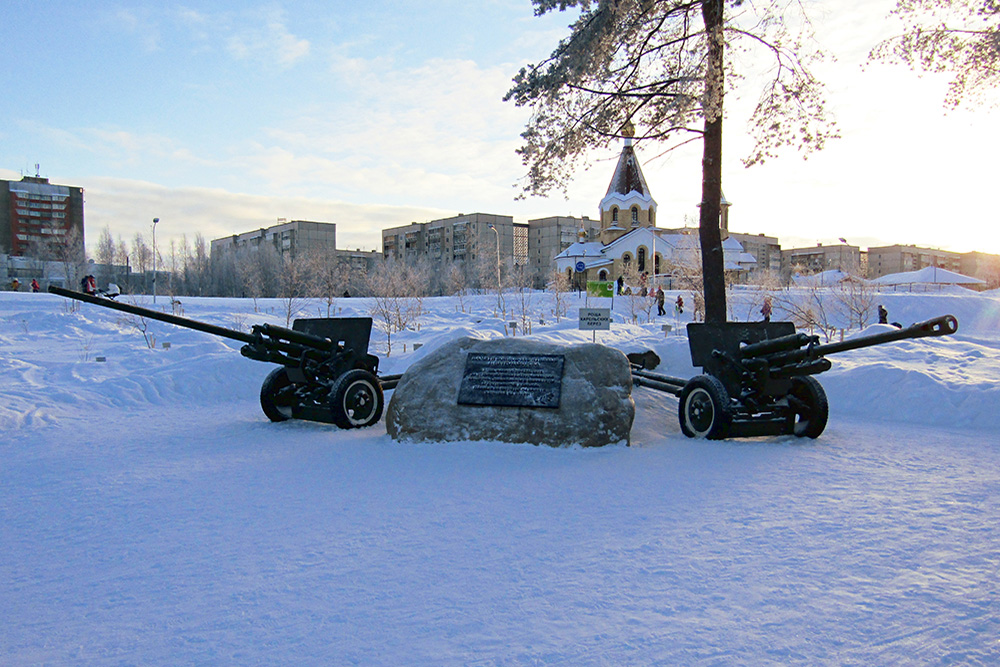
<point x="757" y="377"/>
<point x="325" y="372"/>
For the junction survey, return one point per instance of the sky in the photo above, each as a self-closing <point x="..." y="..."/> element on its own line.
<point x="219" y="118"/>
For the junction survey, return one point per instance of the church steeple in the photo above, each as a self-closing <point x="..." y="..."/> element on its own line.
<point x="628" y="203"/>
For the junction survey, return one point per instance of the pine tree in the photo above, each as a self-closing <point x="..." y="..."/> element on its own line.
<point x="658" y="69"/>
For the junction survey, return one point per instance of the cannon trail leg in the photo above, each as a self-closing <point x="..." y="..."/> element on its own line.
<point x="357" y="399"/>
<point x="705" y="410"/>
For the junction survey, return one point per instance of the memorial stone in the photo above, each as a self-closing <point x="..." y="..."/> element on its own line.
<point x="515" y="390"/>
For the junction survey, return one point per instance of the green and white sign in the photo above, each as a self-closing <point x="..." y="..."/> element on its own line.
<point x="600" y="288"/>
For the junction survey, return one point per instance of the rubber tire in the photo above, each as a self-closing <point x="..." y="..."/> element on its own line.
<point x="810" y="409"/>
<point x="357" y="399"/>
<point x="705" y="410"/>
<point x="274" y="383"/>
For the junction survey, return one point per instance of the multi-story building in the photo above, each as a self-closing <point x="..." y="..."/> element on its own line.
<point x="884" y="260"/>
<point x="286" y="237"/>
<point x="295" y="238"/>
<point x="983" y="266"/>
<point x="841" y="256"/>
<point x="547" y="237"/>
<point x="765" y="249"/>
<point x="463" y="239"/>
<point x="41" y="220"/>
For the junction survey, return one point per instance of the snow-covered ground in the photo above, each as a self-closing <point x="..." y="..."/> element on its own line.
<point x="150" y="514"/>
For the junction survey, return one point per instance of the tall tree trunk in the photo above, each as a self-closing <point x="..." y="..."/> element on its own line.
<point x="712" y="264"/>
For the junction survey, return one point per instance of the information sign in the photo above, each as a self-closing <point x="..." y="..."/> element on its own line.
<point x="595" y="319"/>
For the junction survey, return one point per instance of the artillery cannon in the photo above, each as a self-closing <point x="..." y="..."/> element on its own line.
<point x="325" y="375"/>
<point x="757" y="377"/>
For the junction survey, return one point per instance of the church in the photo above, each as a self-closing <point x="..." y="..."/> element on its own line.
<point x="630" y="245"/>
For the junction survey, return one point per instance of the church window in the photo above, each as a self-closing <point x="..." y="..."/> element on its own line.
<point x="626" y="261"/>
<point x="602" y="275"/>
<point x="614" y="214"/>
<point x="635" y="216"/>
<point x="641" y="259"/>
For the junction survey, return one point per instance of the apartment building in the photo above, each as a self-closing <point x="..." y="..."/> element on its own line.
<point x="463" y="239"/>
<point x="840" y="256"/>
<point x="883" y="260"/>
<point x="547" y="237"/>
<point x="38" y="219"/>
<point x="983" y="266"/>
<point x="765" y="249"/>
<point x="286" y="237"/>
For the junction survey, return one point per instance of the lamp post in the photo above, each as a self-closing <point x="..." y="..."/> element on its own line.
<point x="499" y="302"/>
<point x="155" y="220"/>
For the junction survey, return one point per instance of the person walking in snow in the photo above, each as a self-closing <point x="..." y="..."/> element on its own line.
<point x="15" y="285"/>
<point x="765" y="310"/>
<point x="660" y="298"/>
<point x="35" y="287"/>
<point x="679" y="305"/>
<point x="621" y="285"/>
<point x="883" y="315"/>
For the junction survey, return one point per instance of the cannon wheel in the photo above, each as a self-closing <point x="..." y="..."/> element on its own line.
<point x="273" y="399"/>
<point x="356" y="399"/>
<point x="810" y="409"/>
<point x="705" y="410"/>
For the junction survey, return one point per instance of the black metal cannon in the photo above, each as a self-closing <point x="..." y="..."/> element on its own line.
<point x="326" y="373"/>
<point x="757" y="377"/>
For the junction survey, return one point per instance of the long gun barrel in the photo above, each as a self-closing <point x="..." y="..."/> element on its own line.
<point x="154" y="315"/>
<point x="266" y="335"/>
<point x="809" y="350"/>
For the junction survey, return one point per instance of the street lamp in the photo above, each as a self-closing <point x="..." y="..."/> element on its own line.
<point x="155" y="220"/>
<point x="499" y="302"/>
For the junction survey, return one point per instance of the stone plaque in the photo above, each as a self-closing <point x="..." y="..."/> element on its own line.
<point x="514" y="380"/>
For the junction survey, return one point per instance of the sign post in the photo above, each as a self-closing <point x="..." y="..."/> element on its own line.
<point x="595" y="319"/>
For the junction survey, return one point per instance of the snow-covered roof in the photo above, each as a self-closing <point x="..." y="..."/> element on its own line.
<point x="831" y="277"/>
<point x="582" y="249"/>
<point x="929" y="275"/>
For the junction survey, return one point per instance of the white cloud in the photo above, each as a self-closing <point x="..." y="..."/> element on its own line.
<point x="136" y="23"/>
<point x="432" y="130"/>
<point x="258" y="35"/>
<point x="263" y="36"/>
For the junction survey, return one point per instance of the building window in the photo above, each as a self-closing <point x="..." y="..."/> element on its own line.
<point x="641" y="259"/>
<point x="626" y="261"/>
<point x="614" y="214"/>
<point x="635" y="216"/>
<point x="602" y="275"/>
